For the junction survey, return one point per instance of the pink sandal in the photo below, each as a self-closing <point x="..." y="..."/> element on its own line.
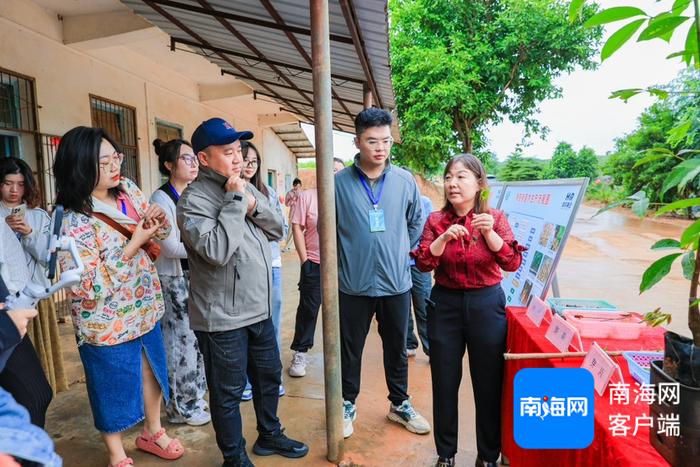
<point x="123" y="463"/>
<point x="147" y="442"/>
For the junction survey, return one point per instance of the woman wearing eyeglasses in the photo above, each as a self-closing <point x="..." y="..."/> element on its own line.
<point x="251" y="173"/>
<point x="186" y="378"/>
<point x="117" y="306"/>
<point x="467" y="244"/>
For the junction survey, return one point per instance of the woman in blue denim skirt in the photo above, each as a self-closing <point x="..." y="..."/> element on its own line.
<point x="251" y="172"/>
<point x="117" y="306"/>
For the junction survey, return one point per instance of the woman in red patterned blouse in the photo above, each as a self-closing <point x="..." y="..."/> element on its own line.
<point x="467" y="244"/>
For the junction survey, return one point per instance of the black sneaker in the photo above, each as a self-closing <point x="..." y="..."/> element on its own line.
<point x="445" y="462"/>
<point x="242" y="461"/>
<point x="281" y="445"/>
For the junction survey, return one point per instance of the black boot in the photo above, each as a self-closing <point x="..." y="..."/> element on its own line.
<point x="281" y="445"/>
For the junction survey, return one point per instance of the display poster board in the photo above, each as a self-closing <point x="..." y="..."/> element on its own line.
<point x="496" y="189"/>
<point x="541" y="214"/>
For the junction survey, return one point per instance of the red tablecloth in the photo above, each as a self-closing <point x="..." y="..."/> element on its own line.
<point x="606" y="450"/>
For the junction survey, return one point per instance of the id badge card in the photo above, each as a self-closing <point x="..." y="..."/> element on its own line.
<point x="376" y="220"/>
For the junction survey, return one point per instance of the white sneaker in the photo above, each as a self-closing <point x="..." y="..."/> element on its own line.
<point x="411" y="352"/>
<point x="407" y="416"/>
<point x="349" y="416"/>
<point x="198" y="419"/>
<point x="297" y="368"/>
<point x="201" y="417"/>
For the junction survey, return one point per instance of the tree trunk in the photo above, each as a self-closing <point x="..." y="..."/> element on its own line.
<point x="693" y="309"/>
<point x="464" y="132"/>
<point x="468" y="142"/>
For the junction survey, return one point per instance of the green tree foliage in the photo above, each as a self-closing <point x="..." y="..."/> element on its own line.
<point x="685" y="174"/>
<point x="489" y="160"/>
<point x="655" y="131"/>
<point x="519" y="168"/>
<point x="651" y="132"/>
<point x="587" y="163"/>
<point x="567" y="163"/>
<point x="460" y="65"/>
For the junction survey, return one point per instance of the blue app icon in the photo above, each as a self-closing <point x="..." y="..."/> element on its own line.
<point x="553" y="408"/>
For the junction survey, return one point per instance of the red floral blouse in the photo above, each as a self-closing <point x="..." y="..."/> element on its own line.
<point x="469" y="264"/>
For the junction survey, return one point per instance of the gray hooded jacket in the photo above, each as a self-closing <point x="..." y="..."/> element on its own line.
<point x="228" y="253"/>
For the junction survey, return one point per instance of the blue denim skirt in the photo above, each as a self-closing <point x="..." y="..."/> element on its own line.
<point x="115" y="383"/>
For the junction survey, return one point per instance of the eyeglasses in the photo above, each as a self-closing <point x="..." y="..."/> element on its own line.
<point x="189" y="159"/>
<point x="250" y="162"/>
<point x="376" y="143"/>
<point x="107" y="161"/>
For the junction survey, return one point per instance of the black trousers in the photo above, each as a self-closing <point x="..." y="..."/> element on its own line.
<point x="230" y="358"/>
<point x="474" y="319"/>
<point x="356" y="314"/>
<point x="309" y="303"/>
<point x="422" y="281"/>
<point x="24" y="378"/>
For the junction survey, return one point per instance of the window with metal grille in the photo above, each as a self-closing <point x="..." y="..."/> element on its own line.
<point x="9" y="145"/>
<point x="49" y="146"/>
<point x="119" y="121"/>
<point x="166" y="131"/>
<point x="17" y="102"/>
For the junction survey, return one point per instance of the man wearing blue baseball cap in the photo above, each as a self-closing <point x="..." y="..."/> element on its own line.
<point x="225" y="225"/>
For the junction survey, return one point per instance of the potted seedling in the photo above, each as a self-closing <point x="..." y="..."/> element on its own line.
<point x="681" y="362"/>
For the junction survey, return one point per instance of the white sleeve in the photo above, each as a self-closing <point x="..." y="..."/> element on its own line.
<point x="170" y="246"/>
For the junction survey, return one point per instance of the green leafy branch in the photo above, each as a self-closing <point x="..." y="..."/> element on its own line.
<point x="657" y="318"/>
<point x="662" y="26"/>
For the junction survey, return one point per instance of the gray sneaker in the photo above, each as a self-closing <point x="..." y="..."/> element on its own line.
<point x="407" y="416"/>
<point x="349" y="416"/>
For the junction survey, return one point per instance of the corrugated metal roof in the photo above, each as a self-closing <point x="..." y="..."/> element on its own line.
<point x="289" y="80"/>
<point x="295" y="139"/>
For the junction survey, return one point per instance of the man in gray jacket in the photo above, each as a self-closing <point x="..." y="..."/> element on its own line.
<point x="225" y="224"/>
<point x="379" y="219"/>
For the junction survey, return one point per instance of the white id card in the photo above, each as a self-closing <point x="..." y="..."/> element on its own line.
<point x="376" y="220"/>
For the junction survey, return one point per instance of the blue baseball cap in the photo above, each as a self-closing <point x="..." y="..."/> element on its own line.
<point x="216" y="132"/>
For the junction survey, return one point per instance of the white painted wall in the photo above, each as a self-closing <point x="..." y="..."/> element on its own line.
<point x="276" y="156"/>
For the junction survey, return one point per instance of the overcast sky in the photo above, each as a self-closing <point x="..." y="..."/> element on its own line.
<point x="584" y="116"/>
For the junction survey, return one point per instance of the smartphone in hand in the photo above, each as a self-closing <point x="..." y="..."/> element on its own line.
<point x="19" y="211"/>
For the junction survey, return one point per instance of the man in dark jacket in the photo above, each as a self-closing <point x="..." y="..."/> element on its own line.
<point x="225" y="225"/>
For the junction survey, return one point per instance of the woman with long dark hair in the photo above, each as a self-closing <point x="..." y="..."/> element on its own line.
<point x="25" y="376"/>
<point x="252" y="163"/>
<point x="467" y="244"/>
<point x="118" y="303"/>
<point x="186" y="377"/>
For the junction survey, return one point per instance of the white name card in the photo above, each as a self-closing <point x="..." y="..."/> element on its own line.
<point x="560" y="333"/>
<point x="601" y="366"/>
<point x="536" y="310"/>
